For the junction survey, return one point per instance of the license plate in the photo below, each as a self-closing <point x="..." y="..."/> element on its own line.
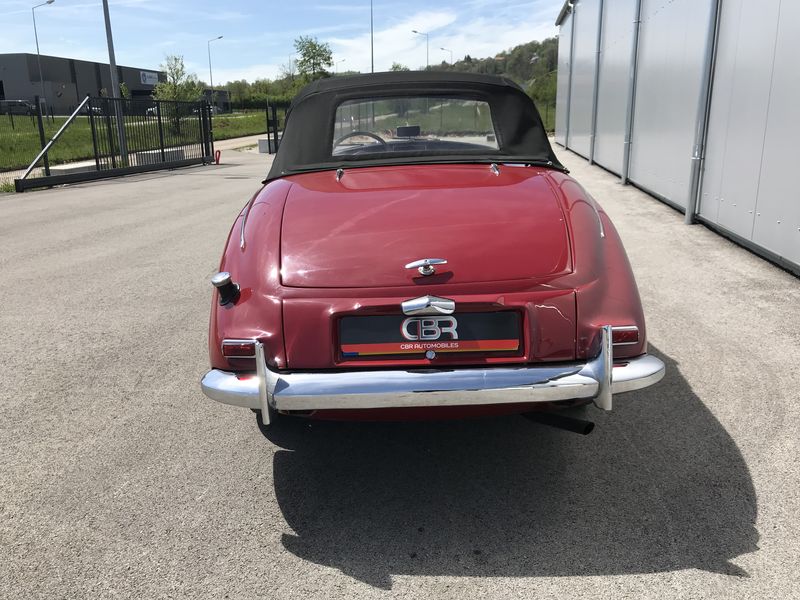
<point x="398" y="334"/>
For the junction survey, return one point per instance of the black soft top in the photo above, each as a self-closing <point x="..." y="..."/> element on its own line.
<point x="308" y="135"/>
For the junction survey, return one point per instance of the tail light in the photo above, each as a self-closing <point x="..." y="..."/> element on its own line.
<point x="238" y="348"/>
<point x="626" y="335"/>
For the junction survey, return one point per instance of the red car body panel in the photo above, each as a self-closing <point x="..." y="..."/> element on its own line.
<point x="528" y="239"/>
<point x="360" y="231"/>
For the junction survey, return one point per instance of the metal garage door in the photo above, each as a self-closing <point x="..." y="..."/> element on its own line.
<point x="612" y="96"/>
<point x="672" y="42"/>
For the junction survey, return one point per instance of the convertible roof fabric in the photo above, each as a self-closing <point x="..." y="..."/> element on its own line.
<point x="308" y="136"/>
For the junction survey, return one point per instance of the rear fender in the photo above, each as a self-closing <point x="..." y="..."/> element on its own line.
<point x="257" y="313"/>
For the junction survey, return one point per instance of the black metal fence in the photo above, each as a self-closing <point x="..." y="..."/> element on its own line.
<point x="155" y="132"/>
<point x="19" y="141"/>
<point x="276" y="120"/>
<point x="107" y="137"/>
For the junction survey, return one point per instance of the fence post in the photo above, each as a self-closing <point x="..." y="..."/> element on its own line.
<point x="11" y="117"/>
<point x="210" y="138"/>
<point x="275" y="127"/>
<point x="111" y="148"/>
<point x="201" y="123"/>
<point x="160" y="131"/>
<point x="41" y="135"/>
<point x="269" y="130"/>
<point x="94" y="137"/>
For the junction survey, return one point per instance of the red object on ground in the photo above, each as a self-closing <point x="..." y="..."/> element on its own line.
<point x="217" y="154"/>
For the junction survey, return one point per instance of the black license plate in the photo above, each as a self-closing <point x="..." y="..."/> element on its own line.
<point x="398" y="334"/>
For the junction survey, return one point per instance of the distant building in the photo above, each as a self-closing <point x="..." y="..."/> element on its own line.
<point x="67" y="81"/>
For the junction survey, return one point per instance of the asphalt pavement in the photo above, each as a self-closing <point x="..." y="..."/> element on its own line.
<point x="119" y="479"/>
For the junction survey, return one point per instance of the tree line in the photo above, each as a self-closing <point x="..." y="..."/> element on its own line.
<point x="532" y="65"/>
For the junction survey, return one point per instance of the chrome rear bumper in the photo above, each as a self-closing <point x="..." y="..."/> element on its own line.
<point x="596" y="379"/>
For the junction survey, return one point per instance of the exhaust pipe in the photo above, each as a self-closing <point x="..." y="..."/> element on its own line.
<point x="561" y="422"/>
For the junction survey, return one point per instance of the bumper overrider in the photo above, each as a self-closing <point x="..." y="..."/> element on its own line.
<point x="597" y="379"/>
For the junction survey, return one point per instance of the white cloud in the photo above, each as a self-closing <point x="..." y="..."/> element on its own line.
<point x="479" y="37"/>
<point x="393" y="44"/>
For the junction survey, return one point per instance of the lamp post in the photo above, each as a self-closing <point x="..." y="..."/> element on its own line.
<point x="427" y="39"/>
<point x="451" y="54"/>
<point x="112" y="65"/>
<point x="336" y="65"/>
<point x="210" y="74"/>
<point x="371" y="40"/>
<point x="38" y="57"/>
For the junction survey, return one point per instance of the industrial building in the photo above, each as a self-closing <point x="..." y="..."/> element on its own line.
<point x="694" y="101"/>
<point x="67" y="81"/>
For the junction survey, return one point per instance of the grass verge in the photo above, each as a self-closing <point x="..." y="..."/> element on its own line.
<point x="19" y="142"/>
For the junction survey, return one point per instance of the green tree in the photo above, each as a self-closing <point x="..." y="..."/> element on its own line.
<point x="124" y="92"/>
<point x="398" y="67"/>
<point x="314" y="57"/>
<point x="239" y="90"/>
<point x="180" y="85"/>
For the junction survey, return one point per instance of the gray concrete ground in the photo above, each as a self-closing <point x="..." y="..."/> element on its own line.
<point x="119" y="479"/>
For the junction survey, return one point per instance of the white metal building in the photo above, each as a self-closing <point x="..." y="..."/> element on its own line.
<point x="696" y="102"/>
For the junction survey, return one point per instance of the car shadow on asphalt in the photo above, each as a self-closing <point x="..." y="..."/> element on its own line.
<point x="658" y="486"/>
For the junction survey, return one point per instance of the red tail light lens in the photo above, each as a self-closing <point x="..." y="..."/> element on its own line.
<point x="238" y="348"/>
<point x="625" y="336"/>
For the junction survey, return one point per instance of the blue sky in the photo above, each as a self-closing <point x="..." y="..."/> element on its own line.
<point x="258" y="35"/>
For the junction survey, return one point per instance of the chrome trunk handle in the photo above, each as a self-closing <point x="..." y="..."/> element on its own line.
<point x="425" y="266"/>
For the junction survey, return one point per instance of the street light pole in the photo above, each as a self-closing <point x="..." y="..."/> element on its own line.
<point x="451" y="54"/>
<point x="427" y="40"/>
<point x="371" y="40"/>
<point x="114" y="93"/>
<point x="210" y="74"/>
<point x="38" y="56"/>
<point x="336" y="66"/>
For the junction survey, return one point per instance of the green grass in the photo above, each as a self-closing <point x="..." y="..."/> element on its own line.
<point x="20" y="145"/>
<point x="239" y="125"/>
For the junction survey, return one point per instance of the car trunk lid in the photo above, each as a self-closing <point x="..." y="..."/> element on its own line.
<point x="360" y="230"/>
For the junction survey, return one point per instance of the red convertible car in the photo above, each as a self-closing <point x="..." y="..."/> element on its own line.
<point x="417" y="251"/>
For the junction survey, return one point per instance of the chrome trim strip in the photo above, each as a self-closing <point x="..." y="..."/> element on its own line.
<point x="244" y="222"/>
<point x="599" y="221"/>
<point x="595" y="379"/>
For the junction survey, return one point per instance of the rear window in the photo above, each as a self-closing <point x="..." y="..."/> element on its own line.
<point x="412" y="125"/>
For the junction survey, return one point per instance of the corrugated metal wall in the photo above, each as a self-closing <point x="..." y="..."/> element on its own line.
<point x="584" y="52"/>
<point x="562" y="79"/>
<point x="672" y="39"/>
<point x="614" y="82"/>
<point x="747" y="184"/>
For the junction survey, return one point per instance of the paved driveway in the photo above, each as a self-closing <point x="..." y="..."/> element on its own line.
<point x="118" y="479"/>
